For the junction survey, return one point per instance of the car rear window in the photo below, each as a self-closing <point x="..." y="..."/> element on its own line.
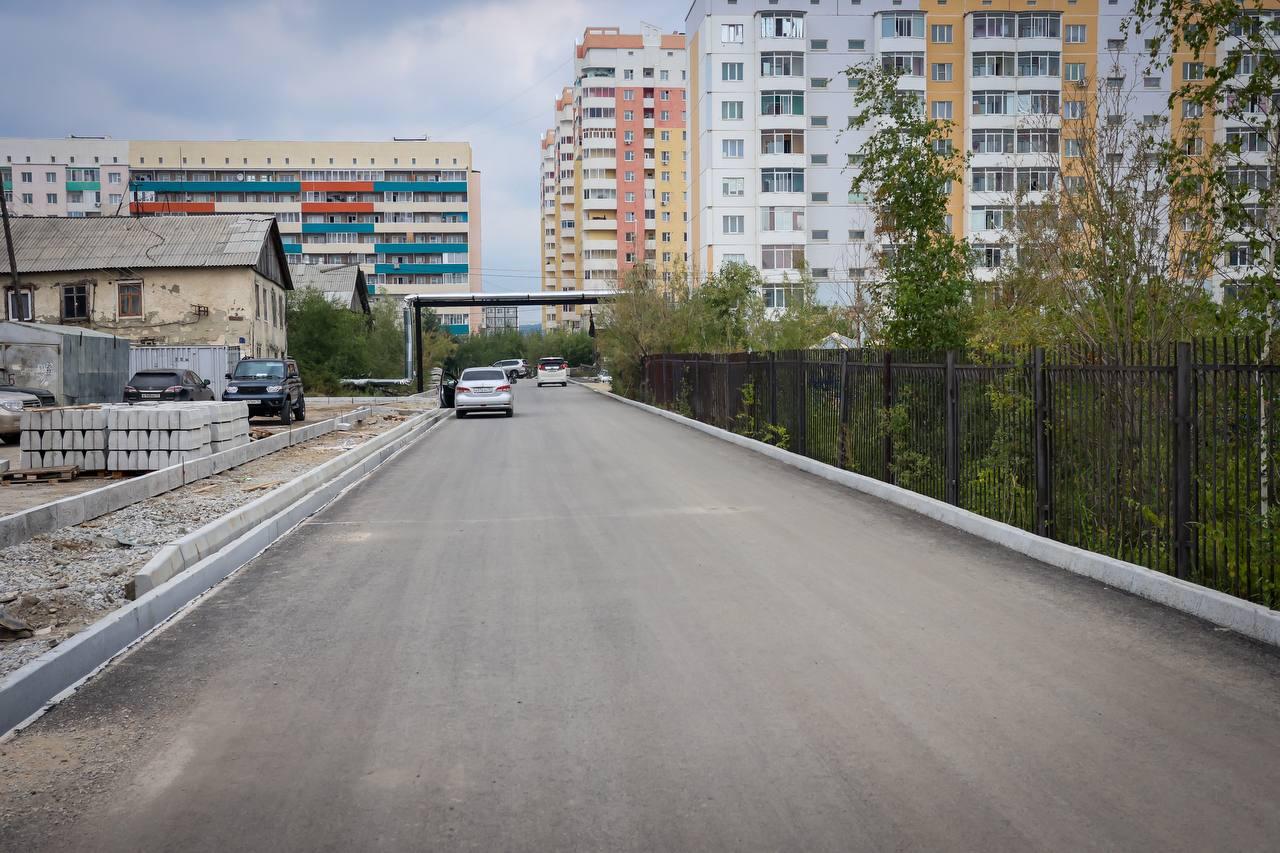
<point x="483" y="374"/>
<point x="155" y="380"/>
<point x="551" y="361"/>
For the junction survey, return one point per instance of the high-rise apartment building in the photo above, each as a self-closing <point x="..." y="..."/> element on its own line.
<point x="614" y="167"/>
<point x="770" y="104"/>
<point x="76" y="176"/>
<point x="406" y="211"/>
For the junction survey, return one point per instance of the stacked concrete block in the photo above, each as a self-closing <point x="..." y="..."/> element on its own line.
<point x="53" y="438"/>
<point x="143" y="437"/>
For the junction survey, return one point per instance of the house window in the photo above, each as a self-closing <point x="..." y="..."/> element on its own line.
<point x="782" y="103"/>
<point x="782" y="180"/>
<point x="730" y="71"/>
<point x="1240" y="255"/>
<point x="783" y="26"/>
<point x="19" y="303"/>
<point x="731" y="33"/>
<point x="857" y="44"/>
<point x="782" y="65"/>
<point x="941" y="33"/>
<point x="733" y="148"/>
<point x="50" y="177"/>
<point x="735" y="224"/>
<point x="731" y="110"/>
<point x="129" y="299"/>
<point x="942" y="109"/>
<point x="902" y="25"/>
<point x="782" y="142"/>
<point x="1074" y="72"/>
<point x="75" y="302"/>
<point x="51" y="198"/>
<point x="942" y="71"/>
<point x="1076" y="33"/>
<point x="1193" y="71"/>
<point x="733" y="187"/>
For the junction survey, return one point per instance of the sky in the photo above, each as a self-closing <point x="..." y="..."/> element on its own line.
<point x="483" y="71"/>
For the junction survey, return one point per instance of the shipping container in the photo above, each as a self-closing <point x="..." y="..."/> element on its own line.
<point x="75" y="364"/>
<point x="207" y="362"/>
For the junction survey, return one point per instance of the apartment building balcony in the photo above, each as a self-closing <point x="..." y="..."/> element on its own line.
<point x="781" y="122"/>
<point x="599" y="204"/>
<point x="597" y="242"/>
<point x="610" y="224"/>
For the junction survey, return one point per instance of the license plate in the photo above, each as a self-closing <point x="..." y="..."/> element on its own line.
<point x="151" y="394"/>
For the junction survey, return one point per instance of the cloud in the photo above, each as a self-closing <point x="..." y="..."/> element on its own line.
<point x="485" y="71"/>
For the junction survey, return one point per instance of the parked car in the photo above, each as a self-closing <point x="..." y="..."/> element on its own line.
<point x="517" y="366"/>
<point x="271" y="386"/>
<point x="553" y="370"/>
<point x="11" y="405"/>
<point x="167" y="385"/>
<point x="44" y="395"/>
<point x="483" y="389"/>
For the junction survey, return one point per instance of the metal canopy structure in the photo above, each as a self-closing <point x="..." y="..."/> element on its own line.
<point x="480" y="300"/>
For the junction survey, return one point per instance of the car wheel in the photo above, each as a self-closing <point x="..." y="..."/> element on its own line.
<point x="459" y="414"/>
<point x="510" y="413"/>
<point x="286" y="413"/>
<point x="300" y="411"/>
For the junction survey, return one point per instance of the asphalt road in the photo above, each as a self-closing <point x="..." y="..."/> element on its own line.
<point x="586" y="628"/>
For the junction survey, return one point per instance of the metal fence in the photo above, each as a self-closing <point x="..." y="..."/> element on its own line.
<point x="1162" y="457"/>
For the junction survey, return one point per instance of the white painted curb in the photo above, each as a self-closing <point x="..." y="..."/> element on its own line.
<point x="1243" y="617"/>
<point x="26" y="691"/>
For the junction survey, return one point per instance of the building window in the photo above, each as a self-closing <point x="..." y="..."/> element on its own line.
<point x="818" y="121"/>
<point x="1038" y="64"/>
<point x="782" y="65"/>
<point x="942" y="71"/>
<point x="1074" y="72"/>
<point x="781" y="257"/>
<point x="731" y="110"/>
<point x="909" y="64"/>
<point x="819" y="198"/>
<point x="733" y="149"/>
<point x="941" y="33"/>
<point x="129" y="299"/>
<point x="1240" y="255"/>
<point x="993" y="64"/>
<point x="782" y="103"/>
<point x="782" y="26"/>
<point x="902" y="25"/>
<point x="1040" y="25"/>
<point x="51" y="198"/>
<point x="818" y="44"/>
<point x="1193" y="71"/>
<point x="731" y="33"/>
<point x="733" y="187"/>
<point x="28" y="198"/>
<point x="942" y="109"/>
<point x="19" y="303"/>
<point x="50" y="177"/>
<point x="26" y="177"/>
<point x="730" y="71"/>
<point x="782" y="180"/>
<point x="1073" y="109"/>
<point x="782" y="142"/>
<point x="1192" y="110"/>
<point x="75" y="302"/>
<point x="1076" y="34"/>
<point x="782" y="219"/>
<point x="735" y="224"/>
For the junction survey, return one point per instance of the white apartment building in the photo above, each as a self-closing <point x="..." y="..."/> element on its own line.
<point x="770" y="105"/>
<point x="74" y="176"/>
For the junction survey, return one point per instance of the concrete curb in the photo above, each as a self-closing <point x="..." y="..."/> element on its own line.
<point x="195" y="546"/>
<point x="1243" y="617"/>
<point x="76" y="509"/>
<point x="26" y="691"/>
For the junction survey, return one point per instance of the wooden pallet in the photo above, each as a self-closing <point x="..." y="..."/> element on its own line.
<point x="27" y="476"/>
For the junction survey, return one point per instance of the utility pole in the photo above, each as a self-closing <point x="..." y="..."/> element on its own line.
<point x="8" y="237"/>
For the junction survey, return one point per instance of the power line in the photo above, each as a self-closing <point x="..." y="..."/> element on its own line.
<point x="458" y="130"/>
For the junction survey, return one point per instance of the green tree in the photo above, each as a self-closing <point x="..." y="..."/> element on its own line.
<point x="1234" y="65"/>
<point x="908" y="164"/>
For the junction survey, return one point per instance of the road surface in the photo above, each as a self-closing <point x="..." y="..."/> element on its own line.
<point x="587" y="628"/>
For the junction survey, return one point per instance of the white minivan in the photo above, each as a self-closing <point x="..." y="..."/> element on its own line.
<point x="553" y="370"/>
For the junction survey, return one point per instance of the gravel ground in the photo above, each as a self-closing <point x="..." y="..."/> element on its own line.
<point x="60" y="582"/>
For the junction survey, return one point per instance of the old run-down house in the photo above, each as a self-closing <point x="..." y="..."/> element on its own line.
<point x="173" y="280"/>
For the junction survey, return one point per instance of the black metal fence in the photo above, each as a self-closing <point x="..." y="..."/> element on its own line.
<point x="1165" y="458"/>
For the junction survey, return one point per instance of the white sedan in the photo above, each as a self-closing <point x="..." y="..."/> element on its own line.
<point x="483" y="389"/>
